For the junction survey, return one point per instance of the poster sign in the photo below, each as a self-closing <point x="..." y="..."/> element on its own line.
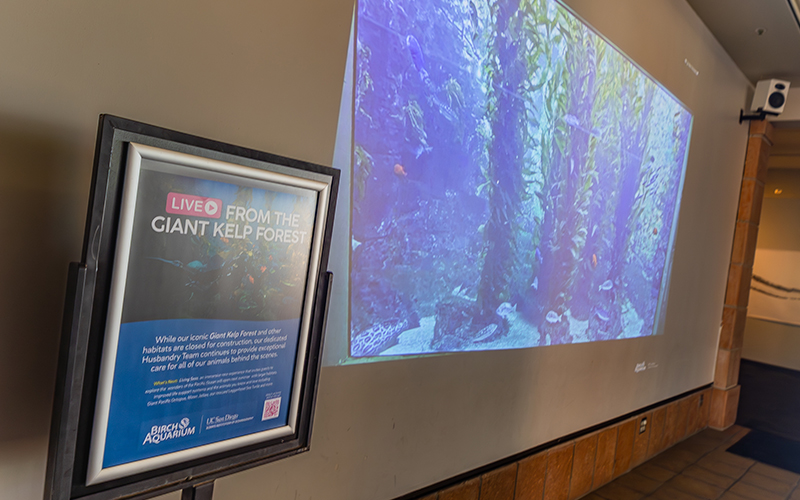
<point x="212" y="274"/>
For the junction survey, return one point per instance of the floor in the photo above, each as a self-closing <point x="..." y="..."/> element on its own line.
<point x="700" y="468"/>
<point x="770" y="399"/>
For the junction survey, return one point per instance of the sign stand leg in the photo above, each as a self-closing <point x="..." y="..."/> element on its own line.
<point x="203" y="491"/>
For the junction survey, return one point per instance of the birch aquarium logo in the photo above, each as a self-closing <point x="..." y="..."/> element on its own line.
<point x="160" y="433"/>
<point x="199" y="206"/>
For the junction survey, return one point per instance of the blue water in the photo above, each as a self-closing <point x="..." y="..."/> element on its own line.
<point x="516" y="181"/>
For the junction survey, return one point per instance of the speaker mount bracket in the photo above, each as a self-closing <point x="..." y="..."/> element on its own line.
<point x="761" y="115"/>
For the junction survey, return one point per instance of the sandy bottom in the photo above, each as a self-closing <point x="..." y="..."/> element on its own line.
<point x="521" y="334"/>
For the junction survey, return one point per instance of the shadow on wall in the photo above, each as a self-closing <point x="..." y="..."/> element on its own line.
<point x="44" y="180"/>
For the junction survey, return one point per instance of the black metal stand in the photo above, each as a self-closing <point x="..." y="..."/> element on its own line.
<point x="204" y="491"/>
<point x="67" y="398"/>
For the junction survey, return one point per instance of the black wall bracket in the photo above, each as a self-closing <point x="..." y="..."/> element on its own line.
<point x="761" y="115"/>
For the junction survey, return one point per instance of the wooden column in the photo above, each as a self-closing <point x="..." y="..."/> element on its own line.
<point x="725" y="395"/>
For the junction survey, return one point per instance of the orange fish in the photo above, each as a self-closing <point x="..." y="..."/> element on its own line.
<point x="263" y="268"/>
<point x="594" y="260"/>
<point x="251" y="279"/>
<point x="655" y="230"/>
<point x="224" y="240"/>
<point x="399" y="170"/>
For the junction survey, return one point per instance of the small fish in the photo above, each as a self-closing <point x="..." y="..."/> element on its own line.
<point x="416" y="55"/>
<point x="224" y="240"/>
<point x="399" y="171"/>
<point x="485" y="333"/>
<point x="602" y="314"/>
<point x="473" y="12"/>
<point x="505" y="309"/>
<point x="607" y="285"/>
<point x="535" y="284"/>
<point x="552" y="317"/>
<point x="175" y="263"/>
<point x="538" y="255"/>
<point x="594" y="260"/>
<point x="572" y="120"/>
<point x="655" y="230"/>
<point x="420" y="150"/>
<point x="263" y="268"/>
<point x="250" y="278"/>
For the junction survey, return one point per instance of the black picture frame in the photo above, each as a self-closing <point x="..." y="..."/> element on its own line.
<point x="91" y="287"/>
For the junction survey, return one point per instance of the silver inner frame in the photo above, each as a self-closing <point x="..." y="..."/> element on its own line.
<point x="136" y="153"/>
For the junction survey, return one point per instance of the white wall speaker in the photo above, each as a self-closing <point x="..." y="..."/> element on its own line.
<point x="770" y="96"/>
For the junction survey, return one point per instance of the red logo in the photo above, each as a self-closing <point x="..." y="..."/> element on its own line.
<point x="188" y="204"/>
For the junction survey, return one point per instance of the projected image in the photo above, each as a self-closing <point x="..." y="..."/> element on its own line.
<point x="515" y="180"/>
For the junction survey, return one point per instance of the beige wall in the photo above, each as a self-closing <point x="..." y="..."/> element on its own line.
<point x="772" y="343"/>
<point x="766" y="341"/>
<point x="268" y="75"/>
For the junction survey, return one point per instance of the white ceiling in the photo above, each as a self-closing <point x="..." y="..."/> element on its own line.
<point x="774" y="54"/>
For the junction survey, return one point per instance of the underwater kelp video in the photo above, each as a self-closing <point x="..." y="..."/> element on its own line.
<point x="515" y="180"/>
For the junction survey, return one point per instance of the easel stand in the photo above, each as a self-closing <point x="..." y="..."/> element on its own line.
<point x="61" y="460"/>
<point x="97" y="293"/>
<point x="204" y="491"/>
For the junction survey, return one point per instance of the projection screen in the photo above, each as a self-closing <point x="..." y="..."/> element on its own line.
<point x="515" y="183"/>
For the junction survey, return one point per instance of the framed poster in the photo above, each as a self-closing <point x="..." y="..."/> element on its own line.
<point x="193" y="336"/>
